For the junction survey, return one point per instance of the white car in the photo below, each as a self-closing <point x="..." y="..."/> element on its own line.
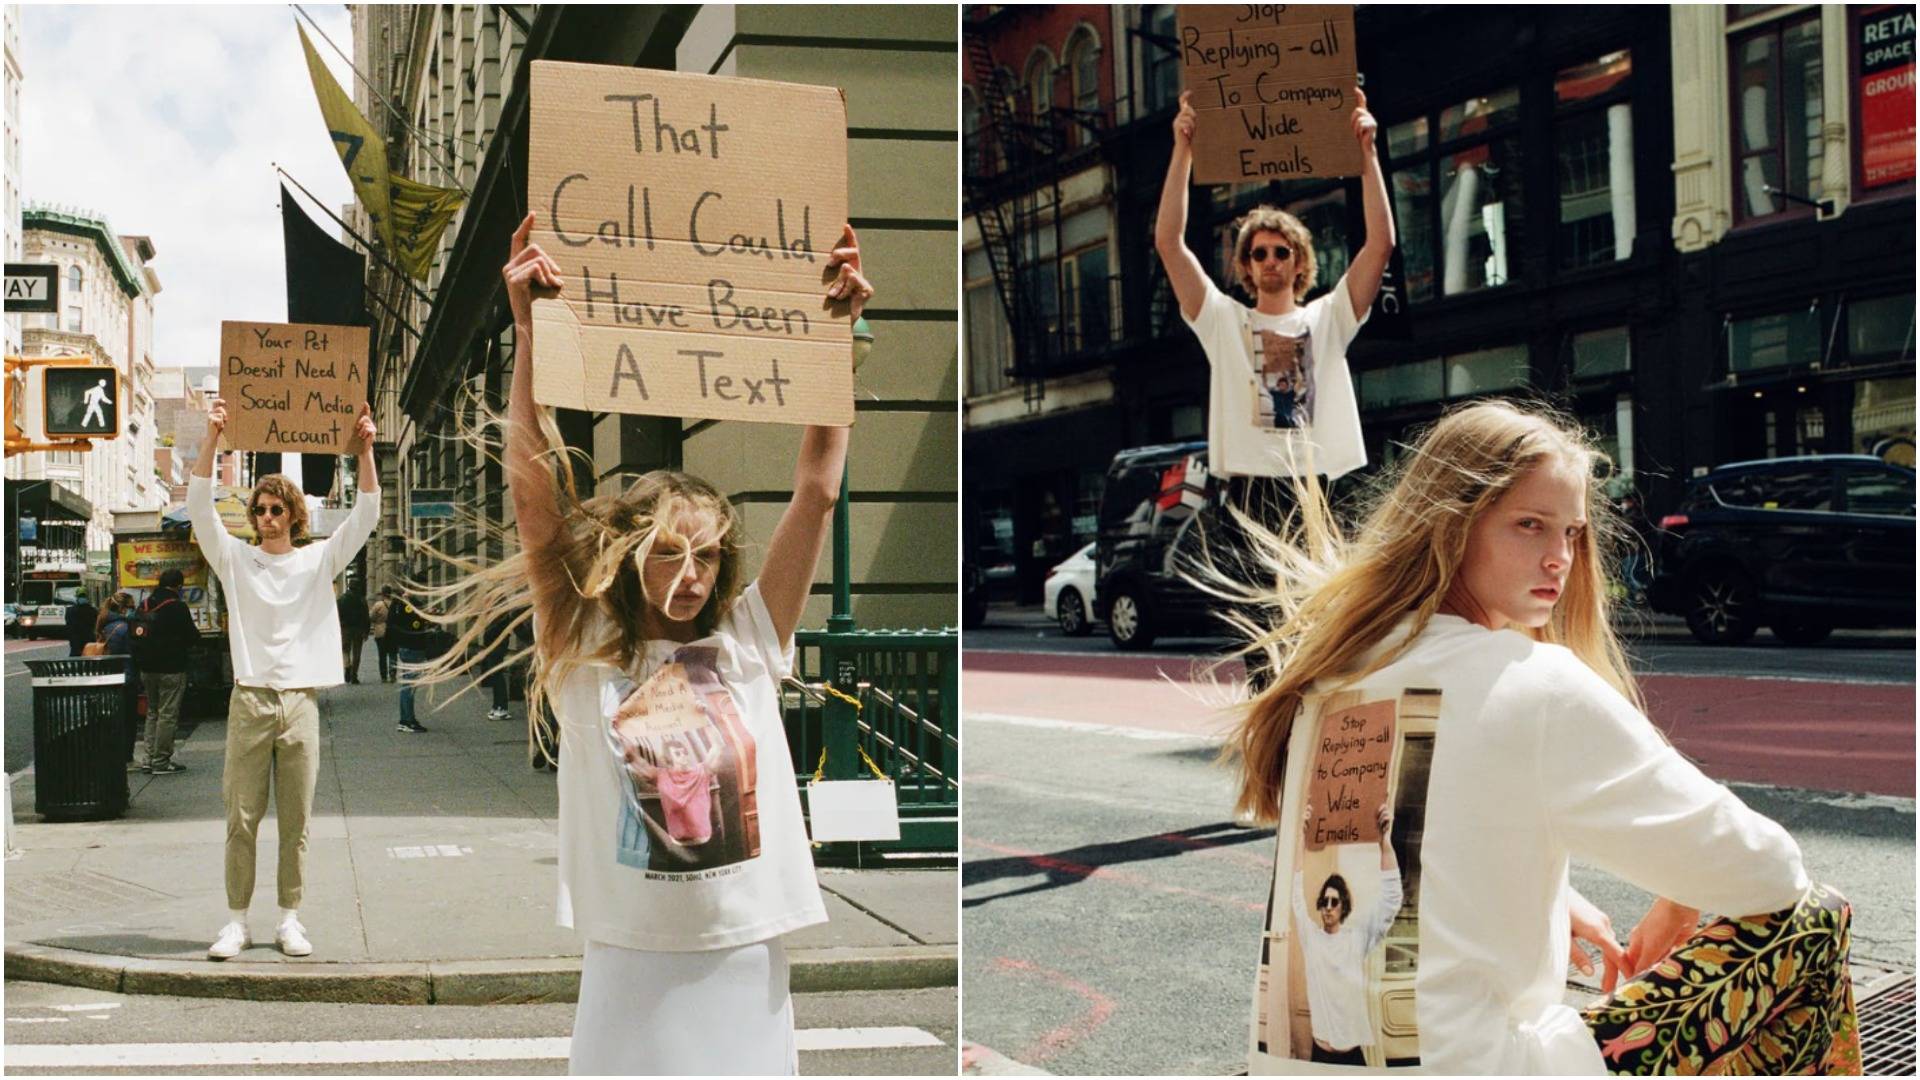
<point x="1069" y="593"/>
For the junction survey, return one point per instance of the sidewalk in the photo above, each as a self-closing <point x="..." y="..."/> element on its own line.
<point x="430" y="879"/>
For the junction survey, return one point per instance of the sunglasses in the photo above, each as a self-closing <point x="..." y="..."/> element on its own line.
<point x="1280" y="252"/>
<point x="274" y="510"/>
<point x="1329" y="902"/>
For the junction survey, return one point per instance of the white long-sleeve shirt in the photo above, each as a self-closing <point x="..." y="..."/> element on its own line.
<point x="1536" y="761"/>
<point x="1337" y="963"/>
<point x="283" y="628"/>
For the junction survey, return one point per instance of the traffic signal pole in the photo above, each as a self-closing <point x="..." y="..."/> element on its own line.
<point x="17" y="441"/>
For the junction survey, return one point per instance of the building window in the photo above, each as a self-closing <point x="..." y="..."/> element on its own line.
<point x="1883" y="419"/>
<point x="970" y="132"/>
<point x="1593" y="141"/>
<point x="1882" y="40"/>
<point x="1778" y="111"/>
<point x="1486" y="370"/>
<point x="1088" y="321"/>
<point x="989" y="337"/>
<point x="1474" y="165"/>
<point x="1083" y="67"/>
<point x="1325" y="217"/>
<point x="1599" y="353"/>
<point x="1880" y="331"/>
<point x="1787" y="339"/>
<point x="1402" y="384"/>
<point x="1160" y="57"/>
<point x="73" y="318"/>
<point x="1039" y="87"/>
<point x="75" y="279"/>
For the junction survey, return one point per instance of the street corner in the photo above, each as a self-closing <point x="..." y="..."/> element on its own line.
<point x="978" y="1060"/>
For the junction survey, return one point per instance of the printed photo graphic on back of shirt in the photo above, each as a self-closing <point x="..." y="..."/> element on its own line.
<point x="689" y="804"/>
<point x="1283" y="368"/>
<point x="1342" y="948"/>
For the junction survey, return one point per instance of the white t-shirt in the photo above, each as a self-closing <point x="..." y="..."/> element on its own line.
<point x="1536" y="760"/>
<point x="283" y="625"/>
<point x="680" y="825"/>
<point x="1297" y="405"/>
<point x="1337" y="963"/>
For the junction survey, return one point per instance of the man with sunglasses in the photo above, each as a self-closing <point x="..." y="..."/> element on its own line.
<point x="284" y="634"/>
<point x="1335" y="953"/>
<point x="1314" y="426"/>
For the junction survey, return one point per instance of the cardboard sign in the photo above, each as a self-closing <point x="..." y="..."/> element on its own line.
<point x="692" y="217"/>
<point x="141" y="562"/>
<point x="1273" y="90"/>
<point x="1352" y="754"/>
<point x="292" y="387"/>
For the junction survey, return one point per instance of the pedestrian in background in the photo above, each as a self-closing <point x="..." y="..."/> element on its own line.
<point x="354" y="621"/>
<point x="413" y="637"/>
<point x="82" y="624"/>
<point x="115" y="639"/>
<point x="163" y="637"/>
<point x="500" y="632"/>
<point x="377" y="627"/>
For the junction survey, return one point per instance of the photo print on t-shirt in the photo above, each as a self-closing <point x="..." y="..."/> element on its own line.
<point x="1338" y="962"/>
<point x="689" y="805"/>
<point x="1283" y="370"/>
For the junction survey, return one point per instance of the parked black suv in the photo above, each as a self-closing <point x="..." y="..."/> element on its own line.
<point x="1160" y="513"/>
<point x="1802" y="545"/>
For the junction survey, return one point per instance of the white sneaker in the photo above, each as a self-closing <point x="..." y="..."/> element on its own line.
<point x="292" y="939"/>
<point x="499" y="714"/>
<point x="233" y="940"/>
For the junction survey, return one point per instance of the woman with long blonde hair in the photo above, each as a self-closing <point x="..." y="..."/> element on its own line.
<point x="650" y="650"/>
<point x="1479" y="573"/>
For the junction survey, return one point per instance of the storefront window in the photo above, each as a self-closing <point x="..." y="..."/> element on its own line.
<point x="1487" y="370"/>
<point x="1325" y="217"/>
<point x="1773" y="341"/>
<point x="1475" y="242"/>
<point x="1778" y="112"/>
<point x="1883" y="94"/>
<point x="1881" y="330"/>
<point x="1402" y="384"/>
<point x="1593" y="140"/>
<point x="1602" y="352"/>
<point x="1480" y="216"/>
<point x="1413" y="220"/>
<point x="1883" y="419"/>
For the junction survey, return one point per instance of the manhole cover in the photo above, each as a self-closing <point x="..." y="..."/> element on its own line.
<point x="1887" y="1031"/>
<point x="75" y="892"/>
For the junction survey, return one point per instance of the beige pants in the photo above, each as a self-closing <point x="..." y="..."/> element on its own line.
<point x="164" y="694"/>
<point x="271" y="734"/>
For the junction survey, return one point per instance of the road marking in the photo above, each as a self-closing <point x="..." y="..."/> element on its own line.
<point x="379" y="1051"/>
<point x="1083" y="726"/>
<point x="34" y="1020"/>
<point x="429" y="851"/>
<point x="79" y="1008"/>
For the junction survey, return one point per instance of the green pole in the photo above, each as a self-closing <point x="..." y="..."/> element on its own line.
<point x="841" y="620"/>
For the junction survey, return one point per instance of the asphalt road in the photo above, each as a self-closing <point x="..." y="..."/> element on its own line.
<point x="19" y="697"/>
<point x="1111" y="909"/>
<point x="63" y="1030"/>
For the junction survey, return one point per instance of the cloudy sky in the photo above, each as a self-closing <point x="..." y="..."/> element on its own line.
<point x="167" y="121"/>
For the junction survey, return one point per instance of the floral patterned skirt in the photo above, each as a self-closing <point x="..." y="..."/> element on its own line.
<point x="1761" y="995"/>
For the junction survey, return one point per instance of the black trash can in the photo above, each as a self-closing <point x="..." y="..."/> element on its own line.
<point x="79" y="728"/>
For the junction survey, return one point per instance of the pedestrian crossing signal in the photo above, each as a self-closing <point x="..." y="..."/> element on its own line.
<point x="81" y="401"/>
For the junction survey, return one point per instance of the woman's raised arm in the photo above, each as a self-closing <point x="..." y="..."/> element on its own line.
<point x="531" y="272"/>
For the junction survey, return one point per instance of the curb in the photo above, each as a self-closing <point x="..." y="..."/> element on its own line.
<point x="449" y="982"/>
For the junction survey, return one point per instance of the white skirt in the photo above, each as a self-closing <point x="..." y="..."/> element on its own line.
<point x="713" y="1013"/>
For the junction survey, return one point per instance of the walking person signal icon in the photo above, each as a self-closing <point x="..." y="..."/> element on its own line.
<point x="82" y="400"/>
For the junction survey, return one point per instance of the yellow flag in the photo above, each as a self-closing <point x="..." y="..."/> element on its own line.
<point x="420" y="214"/>
<point x="362" y="151"/>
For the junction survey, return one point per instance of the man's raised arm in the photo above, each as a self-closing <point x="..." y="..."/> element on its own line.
<point x="1170" y="227"/>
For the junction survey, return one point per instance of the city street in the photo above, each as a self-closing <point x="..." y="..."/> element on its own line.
<point x="19" y="697"/>
<point x="1112" y="908"/>
<point x="58" y="1030"/>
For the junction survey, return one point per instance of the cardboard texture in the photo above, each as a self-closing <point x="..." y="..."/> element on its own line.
<point x="1273" y="90"/>
<point x="1351" y="760"/>
<point x="692" y="217"/>
<point x="292" y="387"/>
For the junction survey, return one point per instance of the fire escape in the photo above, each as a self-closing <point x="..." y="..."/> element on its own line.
<point x="1011" y="184"/>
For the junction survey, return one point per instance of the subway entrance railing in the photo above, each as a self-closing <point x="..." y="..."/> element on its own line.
<point x="897" y="701"/>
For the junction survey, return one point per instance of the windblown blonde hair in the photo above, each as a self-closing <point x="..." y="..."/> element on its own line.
<point x="605" y="541"/>
<point x="1332" y="597"/>
<point x="282" y="487"/>
<point x="1272" y="219"/>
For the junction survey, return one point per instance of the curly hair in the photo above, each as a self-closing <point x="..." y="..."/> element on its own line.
<point x="1339" y="885"/>
<point x="1273" y="219"/>
<point x="282" y="487"/>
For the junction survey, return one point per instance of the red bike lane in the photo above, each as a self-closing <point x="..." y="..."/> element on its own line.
<point x="1823" y="736"/>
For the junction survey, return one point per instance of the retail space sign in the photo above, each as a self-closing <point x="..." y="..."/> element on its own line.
<point x="141" y="562"/>
<point x="1886" y="96"/>
<point x="33" y="288"/>
<point x="1273" y="91"/>
<point x="292" y="387"/>
<point x="692" y="217"/>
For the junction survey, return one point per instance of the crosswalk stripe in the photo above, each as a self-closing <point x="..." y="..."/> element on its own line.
<point x="375" y="1051"/>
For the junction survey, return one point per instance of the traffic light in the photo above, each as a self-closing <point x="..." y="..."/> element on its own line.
<point x="81" y="400"/>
